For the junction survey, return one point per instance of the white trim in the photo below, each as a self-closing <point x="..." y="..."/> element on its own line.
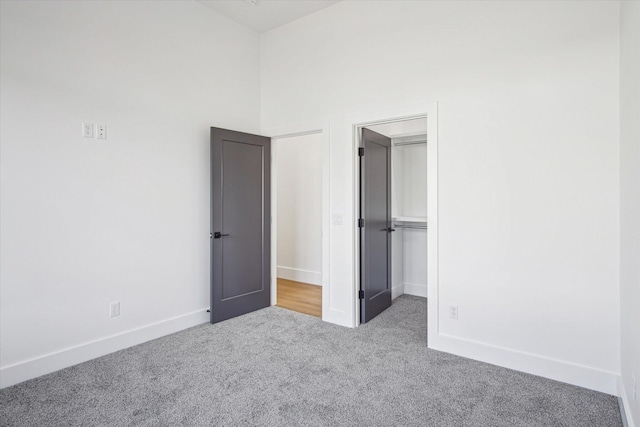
<point x="416" y="289"/>
<point x="555" y="369"/>
<point x="323" y="128"/>
<point x="397" y="290"/>
<point x="326" y="215"/>
<point x="622" y="394"/>
<point x="51" y="362"/>
<point x="433" y="280"/>
<point x="300" y="275"/>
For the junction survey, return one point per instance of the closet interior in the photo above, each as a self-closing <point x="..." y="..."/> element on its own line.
<point x="408" y="205"/>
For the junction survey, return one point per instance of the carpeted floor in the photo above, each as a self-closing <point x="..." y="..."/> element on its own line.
<point x="276" y="367"/>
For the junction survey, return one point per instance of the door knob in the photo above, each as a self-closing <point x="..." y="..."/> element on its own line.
<point x="218" y="235"/>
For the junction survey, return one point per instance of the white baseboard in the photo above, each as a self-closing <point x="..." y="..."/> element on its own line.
<point x="559" y="370"/>
<point x="300" y="275"/>
<point x="45" y="364"/>
<point x="626" y="412"/>
<point x="415" y="289"/>
<point x="409" y="289"/>
<point x="397" y="290"/>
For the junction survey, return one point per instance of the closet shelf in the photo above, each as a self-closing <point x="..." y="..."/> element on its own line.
<point x="410" y="219"/>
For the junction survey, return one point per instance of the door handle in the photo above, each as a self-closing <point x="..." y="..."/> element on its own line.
<point x="388" y="230"/>
<point x="218" y="235"/>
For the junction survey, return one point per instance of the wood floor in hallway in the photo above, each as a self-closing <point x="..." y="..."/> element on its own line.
<point x="300" y="297"/>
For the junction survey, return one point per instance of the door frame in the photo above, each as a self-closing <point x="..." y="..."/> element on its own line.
<point x="277" y="134"/>
<point x="430" y="112"/>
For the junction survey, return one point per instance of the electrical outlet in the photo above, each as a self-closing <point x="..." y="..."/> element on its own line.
<point x="101" y="131"/>
<point x="336" y="219"/>
<point x="115" y="309"/>
<point x="453" y="311"/>
<point x="87" y="130"/>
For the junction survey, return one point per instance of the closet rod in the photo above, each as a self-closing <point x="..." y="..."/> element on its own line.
<point x="416" y="227"/>
<point x="398" y="144"/>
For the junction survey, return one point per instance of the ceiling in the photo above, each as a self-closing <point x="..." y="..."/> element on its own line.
<point x="265" y="15"/>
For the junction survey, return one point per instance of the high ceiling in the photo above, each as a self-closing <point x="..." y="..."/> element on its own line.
<point x="265" y="15"/>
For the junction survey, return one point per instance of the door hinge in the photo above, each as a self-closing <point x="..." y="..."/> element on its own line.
<point x="360" y="222"/>
<point x="361" y="294"/>
<point x="360" y="151"/>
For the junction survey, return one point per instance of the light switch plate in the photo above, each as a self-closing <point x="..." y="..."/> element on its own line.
<point x="453" y="311"/>
<point x="87" y="130"/>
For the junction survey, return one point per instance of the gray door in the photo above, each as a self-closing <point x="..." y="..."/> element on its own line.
<point x="240" y="223"/>
<point x="375" y="224"/>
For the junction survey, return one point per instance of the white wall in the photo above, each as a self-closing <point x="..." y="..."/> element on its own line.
<point x="414" y="182"/>
<point x="414" y="261"/>
<point x="299" y="198"/>
<point x="410" y="186"/>
<point x="414" y="204"/>
<point x="85" y="222"/>
<point x="528" y="162"/>
<point x="630" y="204"/>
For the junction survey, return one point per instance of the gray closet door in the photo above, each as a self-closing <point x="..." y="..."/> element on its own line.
<point x="240" y="223"/>
<point x="375" y="224"/>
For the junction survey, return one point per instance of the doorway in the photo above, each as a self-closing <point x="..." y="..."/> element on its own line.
<point x="392" y="213"/>
<point x="298" y="222"/>
<point x="244" y="174"/>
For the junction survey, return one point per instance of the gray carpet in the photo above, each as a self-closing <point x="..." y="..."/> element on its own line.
<point x="275" y="367"/>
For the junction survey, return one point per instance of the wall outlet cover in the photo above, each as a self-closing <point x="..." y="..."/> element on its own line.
<point x="101" y="131"/>
<point x="114" y="309"/>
